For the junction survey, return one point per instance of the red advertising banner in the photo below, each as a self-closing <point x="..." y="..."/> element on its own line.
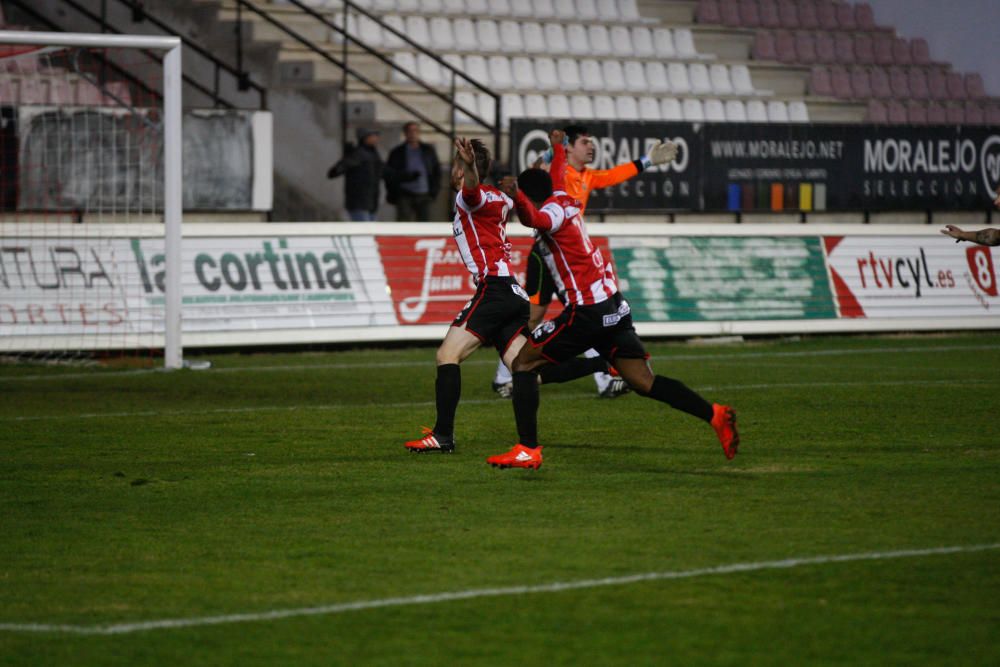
<point x="428" y="281"/>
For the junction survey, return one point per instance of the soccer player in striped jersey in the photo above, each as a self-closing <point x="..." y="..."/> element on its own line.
<point x="579" y="183"/>
<point x="596" y="316"/>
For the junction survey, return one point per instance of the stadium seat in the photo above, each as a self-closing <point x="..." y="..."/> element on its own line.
<point x="820" y="82"/>
<point x="899" y="83"/>
<point x="864" y="17"/>
<point x="798" y="112"/>
<point x="635" y="77"/>
<point x="670" y="109"/>
<point x="788" y="14"/>
<point x="883" y="44"/>
<point x="663" y="42"/>
<point x="880" y="83"/>
<point x="543" y="9"/>
<point x="805" y="48"/>
<point x="844" y="85"/>
<point x="936" y="114"/>
<point x="499" y="8"/>
<point x="784" y="45"/>
<point x="522" y="8"/>
<point x="679" y="81"/>
<point x="937" y="84"/>
<point x="901" y="52"/>
<point x="626" y="108"/>
<point x="405" y="65"/>
<point x="569" y="74"/>
<point x="736" y="111"/>
<point x="453" y="6"/>
<point x="370" y="32"/>
<point x="742" y="83"/>
<point x="431" y="71"/>
<point x="629" y="11"/>
<point x="864" y="48"/>
<point x="700" y="82"/>
<point x="861" y="83"/>
<point x="956" y="86"/>
<point x="642" y="42"/>
<point x="614" y="77"/>
<point x="920" y="53"/>
<point x="501" y="75"/>
<point x="649" y="108"/>
<point x="578" y="42"/>
<point x="916" y="114"/>
<point x="428" y="7"/>
<point x="808" y="18"/>
<point x="488" y="34"/>
<point x="693" y="110"/>
<point x="993" y="113"/>
<point x="523" y="71"/>
<point x="656" y="77"/>
<point x="708" y="11"/>
<point x="826" y="14"/>
<point x="536" y="106"/>
<point x="586" y="10"/>
<point x="777" y="112"/>
<point x="845" y="17"/>
<point x="749" y="14"/>
<point x="763" y="47"/>
<point x="721" y="83"/>
<point x="565" y="10"/>
<point x="351" y="27"/>
<point x="458" y="62"/>
<point x="604" y="107"/>
<point x="684" y="43"/>
<point x="556" y="42"/>
<point x="607" y="10"/>
<point x="467" y="100"/>
<point x="510" y="37"/>
<point x="917" y="79"/>
<point x="418" y="30"/>
<point x="769" y="17"/>
<point x="534" y="38"/>
<point x="974" y="87"/>
<point x="407" y="6"/>
<point x="897" y="112"/>
<point x="756" y="111"/>
<point x="826" y="52"/>
<point x="600" y="41"/>
<point x="730" y="13"/>
<point x="621" y="41"/>
<point x="715" y="111"/>
<point x="546" y="74"/>
<point x="511" y="106"/>
<point x="465" y="35"/>
<point x="844" y="48"/>
<point x="477" y="8"/>
<point x="559" y="106"/>
<point x="877" y="112"/>
<point x="590" y="75"/>
<point x="581" y="106"/>
<point x="955" y="114"/>
<point x="441" y="35"/>
<point x="475" y="68"/>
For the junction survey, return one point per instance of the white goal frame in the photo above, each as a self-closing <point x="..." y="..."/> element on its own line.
<point x="172" y="156"/>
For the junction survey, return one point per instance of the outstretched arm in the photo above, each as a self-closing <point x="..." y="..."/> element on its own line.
<point x="465" y="156"/>
<point x="557" y="170"/>
<point x="990" y="237"/>
<point x="659" y="153"/>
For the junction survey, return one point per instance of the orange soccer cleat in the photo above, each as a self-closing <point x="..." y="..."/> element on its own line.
<point x="431" y="443"/>
<point x="724" y="423"/>
<point x="518" y="457"/>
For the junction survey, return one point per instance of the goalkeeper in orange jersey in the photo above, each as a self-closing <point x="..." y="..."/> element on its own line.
<point x="580" y="182"/>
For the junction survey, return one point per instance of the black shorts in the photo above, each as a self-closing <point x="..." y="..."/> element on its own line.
<point x="538" y="282"/>
<point x="606" y="327"/>
<point x="496" y="313"/>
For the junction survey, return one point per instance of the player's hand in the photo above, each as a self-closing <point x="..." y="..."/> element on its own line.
<point x="457" y="174"/>
<point x="464" y="151"/>
<point x="954" y="232"/>
<point x="557" y="137"/>
<point x="508" y="186"/>
<point x="662" y="152"/>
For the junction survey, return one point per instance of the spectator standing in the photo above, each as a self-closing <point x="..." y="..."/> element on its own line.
<point x="362" y="168"/>
<point x="414" y="176"/>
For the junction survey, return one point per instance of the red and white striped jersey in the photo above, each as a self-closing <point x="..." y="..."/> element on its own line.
<point x="480" y="229"/>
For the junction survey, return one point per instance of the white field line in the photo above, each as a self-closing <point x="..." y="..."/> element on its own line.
<point x="471" y="594"/>
<point x="429" y="362"/>
<point x="422" y="404"/>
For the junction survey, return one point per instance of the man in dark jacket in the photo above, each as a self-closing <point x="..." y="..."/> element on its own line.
<point x="414" y="176"/>
<point x="362" y="167"/>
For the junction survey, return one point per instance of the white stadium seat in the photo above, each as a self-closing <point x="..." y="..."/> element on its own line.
<point x="430" y="7"/>
<point x="715" y="111"/>
<point x="649" y="108"/>
<point x="621" y="41"/>
<point x="487" y="107"/>
<point x="629" y="10"/>
<point x="458" y="63"/>
<point x="656" y="77"/>
<point x="604" y="108"/>
<point x="441" y="35"/>
<point x="693" y="110"/>
<point x="430" y="70"/>
<point x="607" y="10"/>
<point x="581" y="106"/>
<point x="798" y="112"/>
<point x="501" y="76"/>
<point x="736" y="112"/>
<point x="511" y="106"/>
<point x="642" y="42"/>
<point x="635" y="77"/>
<point x="614" y="77"/>
<point x="407" y="6"/>
<point x="600" y="41"/>
<point x="663" y="43"/>
<point x="522" y="8"/>
<point x="756" y="111"/>
<point x="488" y="35"/>
<point x="499" y="7"/>
<point x="453" y="6"/>
<point x="535" y="106"/>
<point x="555" y="38"/>
<point x="406" y="61"/>
<point x="684" y="43"/>
<point x="626" y="108"/>
<point x="467" y="100"/>
<point x="369" y="32"/>
<point x="543" y="9"/>
<point x="678" y="75"/>
<point x="464" y="31"/>
<point x="577" y="41"/>
<point x="721" y="84"/>
<point x="670" y="109"/>
<point x="475" y="67"/>
<point x="591" y="76"/>
<point x="546" y="75"/>
<point x="568" y="72"/>
<point x="510" y="37"/>
<point x="524" y="74"/>
<point x="384" y="5"/>
<point x="559" y="106"/>
<point x="586" y="10"/>
<point x="477" y="7"/>
<point x="534" y="38"/>
<point x="700" y="83"/>
<point x="564" y="9"/>
<point x="777" y="112"/>
<point x="742" y="85"/>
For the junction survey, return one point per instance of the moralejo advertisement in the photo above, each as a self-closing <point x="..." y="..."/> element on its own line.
<point x="911" y="276"/>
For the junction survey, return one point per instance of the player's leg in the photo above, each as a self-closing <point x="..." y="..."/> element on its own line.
<point x="539" y="288"/>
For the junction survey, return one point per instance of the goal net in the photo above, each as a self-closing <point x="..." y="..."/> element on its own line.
<point x="90" y="197"/>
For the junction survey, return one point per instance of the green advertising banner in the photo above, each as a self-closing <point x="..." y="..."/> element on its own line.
<point x="697" y="278"/>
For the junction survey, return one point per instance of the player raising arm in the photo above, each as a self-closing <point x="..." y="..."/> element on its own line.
<point x="987" y="236"/>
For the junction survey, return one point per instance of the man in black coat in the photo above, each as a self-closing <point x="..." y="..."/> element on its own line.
<point x="413" y="177"/>
<point x="362" y="167"/>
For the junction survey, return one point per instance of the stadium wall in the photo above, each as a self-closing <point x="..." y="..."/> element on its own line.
<point x="265" y="284"/>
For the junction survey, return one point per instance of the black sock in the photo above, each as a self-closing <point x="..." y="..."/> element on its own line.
<point x="447" y="391"/>
<point x="525" y="401"/>
<point x="678" y="396"/>
<point x="572" y="369"/>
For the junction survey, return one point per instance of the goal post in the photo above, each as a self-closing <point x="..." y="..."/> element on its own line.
<point x="103" y="161"/>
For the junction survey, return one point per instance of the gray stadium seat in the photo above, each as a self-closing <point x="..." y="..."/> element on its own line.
<point x="649" y="108"/>
<point x="586" y="10"/>
<point x="536" y="106"/>
<point x="604" y="107"/>
<point x="510" y="37"/>
<point x="626" y="108"/>
<point x="533" y="37"/>
<point x="569" y="74"/>
<point x="600" y="40"/>
<point x="700" y="83"/>
<point x="621" y="41"/>
<point x="679" y="81"/>
<point x="523" y="71"/>
<point x="614" y="77"/>
<point x="715" y="111"/>
<point x="500" y="73"/>
<point x="656" y="77"/>
<point x="684" y="43"/>
<point x="693" y="110"/>
<point x="777" y="111"/>
<point x="635" y="76"/>
<point x="559" y="106"/>
<point x="642" y="42"/>
<point x="488" y="34"/>
<point x="591" y="75"/>
<point x="798" y="112"/>
<point x="663" y="43"/>
<point x="756" y="111"/>
<point x="546" y="74"/>
<point x="441" y="35"/>
<point x="742" y="83"/>
<point x="581" y="106"/>
<point x="465" y="35"/>
<point x="721" y="83"/>
<point x="578" y="43"/>
<point x="736" y="112"/>
<point x="607" y="10"/>
<point x="670" y="109"/>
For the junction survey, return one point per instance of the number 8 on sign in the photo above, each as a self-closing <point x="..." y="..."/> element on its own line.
<point x="981" y="264"/>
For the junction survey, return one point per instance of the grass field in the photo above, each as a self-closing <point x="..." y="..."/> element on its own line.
<point x="278" y="483"/>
